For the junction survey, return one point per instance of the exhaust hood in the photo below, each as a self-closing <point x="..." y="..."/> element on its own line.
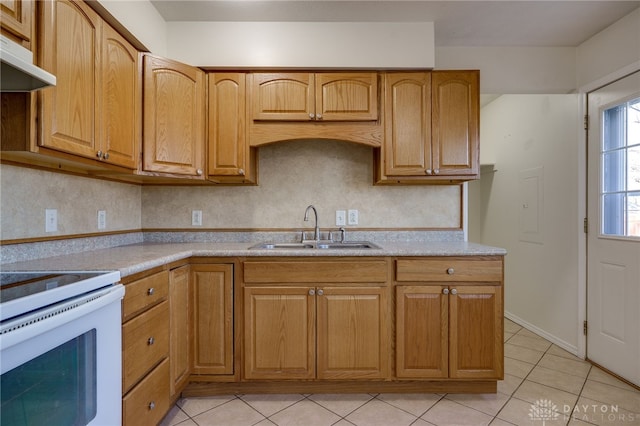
<point x="18" y="74"/>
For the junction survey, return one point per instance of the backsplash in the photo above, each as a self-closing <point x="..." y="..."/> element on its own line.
<point x="331" y="175"/>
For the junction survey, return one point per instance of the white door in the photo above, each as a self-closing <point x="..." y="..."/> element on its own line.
<point x="613" y="243"/>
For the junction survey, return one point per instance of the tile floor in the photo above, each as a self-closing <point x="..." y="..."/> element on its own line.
<point x="543" y="385"/>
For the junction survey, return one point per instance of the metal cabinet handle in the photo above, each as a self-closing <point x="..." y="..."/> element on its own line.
<point x="451" y="271"/>
<point x="241" y="172"/>
<point x="428" y="171"/>
<point x="454" y="291"/>
<point x="445" y="291"/>
<point x="312" y="292"/>
<point x="99" y="154"/>
<point x="312" y="116"/>
<point x="320" y="292"/>
<point x="152" y="405"/>
<point x="436" y="171"/>
<point x="151" y="291"/>
<point x="199" y="172"/>
<point x="151" y="341"/>
<point x="319" y="117"/>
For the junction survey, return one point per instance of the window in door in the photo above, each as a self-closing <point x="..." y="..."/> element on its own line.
<point x="620" y="166"/>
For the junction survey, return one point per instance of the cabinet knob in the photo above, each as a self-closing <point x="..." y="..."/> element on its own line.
<point x="312" y="116"/>
<point x="151" y="341"/>
<point x="445" y="291"/>
<point x="436" y="171"/>
<point x="427" y="172"/>
<point x="451" y="271"/>
<point x="99" y="154"/>
<point x="319" y="117"/>
<point x="241" y="172"/>
<point x="312" y="292"/>
<point x="454" y="291"/>
<point x="199" y="172"/>
<point x="320" y="292"/>
<point x="152" y="405"/>
<point x="151" y="291"/>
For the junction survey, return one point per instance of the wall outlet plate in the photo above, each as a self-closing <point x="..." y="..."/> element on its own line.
<point x="196" y="217"/>
<point x="352" y="217"/>
<point x="102" y="219"/>
<point x="50" y="220"/>
<point x="341" y="217"/>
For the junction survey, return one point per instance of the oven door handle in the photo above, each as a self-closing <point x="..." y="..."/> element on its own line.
<point x="28" y="326"/>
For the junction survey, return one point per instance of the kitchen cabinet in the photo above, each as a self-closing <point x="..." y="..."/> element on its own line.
<point x="315" y="320"/>
<point x="17" y="20"/>
<point x="315" y="96"/>
<point x="174" y="118"/>
<point x="213" y="350"/>
<point x="94" y="110"/>
<point x="230" y="160"/>
<point x="449" y="318"/>
<point x="179" y="328"/>
<point x="431" y="127"/>
<point x="145" y="347"/>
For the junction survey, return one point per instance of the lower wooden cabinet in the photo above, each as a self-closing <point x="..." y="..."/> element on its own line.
<point x="180" y="328"/>
<point x="213" y="319"/>
<point x="450" y="325"/>
<point x="149" y="401"/>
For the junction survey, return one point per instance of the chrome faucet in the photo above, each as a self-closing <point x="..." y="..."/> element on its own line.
<point x="316" y="230"/>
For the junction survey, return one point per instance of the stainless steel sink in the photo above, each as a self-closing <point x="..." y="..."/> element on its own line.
<point x="321" y="245"/>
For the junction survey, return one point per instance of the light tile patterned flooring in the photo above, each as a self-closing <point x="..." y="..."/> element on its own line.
<point x="536" y="373"/>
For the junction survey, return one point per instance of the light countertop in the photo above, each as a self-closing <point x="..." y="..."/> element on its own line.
<point x="130" y="259"/>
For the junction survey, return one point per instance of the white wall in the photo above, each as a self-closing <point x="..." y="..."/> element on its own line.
<point x="534" y="134"/>
<point x="303" y="44"/>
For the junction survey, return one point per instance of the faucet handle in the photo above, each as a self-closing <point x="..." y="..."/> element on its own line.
<point x="343" y="234"/>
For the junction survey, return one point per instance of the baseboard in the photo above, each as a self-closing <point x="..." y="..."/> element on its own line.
<point x="550" y="337"/>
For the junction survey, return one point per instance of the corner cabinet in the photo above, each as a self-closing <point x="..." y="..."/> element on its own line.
<point x="95" y="109"/>
<point x="174" y="118"/>
<point x="179" y="329"/>
<point x="449" y="318"/>
<point x="323" y="320"/>
<point x="230" y="159"/>
<point x="431" y="127"/>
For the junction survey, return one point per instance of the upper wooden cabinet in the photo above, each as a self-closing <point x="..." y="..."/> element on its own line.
<point x="431" y="127"/>
<point x="16" y="20"/>
<point x="230" y="158"/>
<point x="174" y="118"/>
<point x="315" y="96"/>
<point x="94" y="110"/>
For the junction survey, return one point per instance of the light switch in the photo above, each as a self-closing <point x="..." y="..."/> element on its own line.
<point x="50" y="220"/>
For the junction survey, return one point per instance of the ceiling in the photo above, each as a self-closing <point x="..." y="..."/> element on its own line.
<point x="457" y="23"/>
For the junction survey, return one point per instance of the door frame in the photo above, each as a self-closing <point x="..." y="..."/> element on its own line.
<point x="584" y="91"/>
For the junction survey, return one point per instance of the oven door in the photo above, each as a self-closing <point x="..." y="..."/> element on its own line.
<point x="62" y="365"/>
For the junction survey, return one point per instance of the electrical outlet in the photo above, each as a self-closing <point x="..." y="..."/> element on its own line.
<point x="50" y="220"/>
<point x="353" y="217"/>
<point x="341" y="217"/>
<point x="102" y="219"/>
<point x="196" y="217"/>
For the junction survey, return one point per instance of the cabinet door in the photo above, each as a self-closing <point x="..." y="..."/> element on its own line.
<point x="283" y="96"/>
<point x="70" y="49"/>
<point x="352" y="333"/>
<point x="16" y="17"/>
<point x="213" y="319"/>
<point x="180" y="328"/>
<point x="475" y="332"/>
<point x="407" y="144"/>
<point x="346" y="96"/>
<point x="121" y="100"/>
<point x="456" y="117"/>
<point x="279" y="333"/>
<point x="228" y="145"/>
<point x="422" y="340"/>
<point x="174" y="98"/>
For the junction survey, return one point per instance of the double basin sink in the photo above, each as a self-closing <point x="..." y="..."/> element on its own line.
<point x="316" y="245"/>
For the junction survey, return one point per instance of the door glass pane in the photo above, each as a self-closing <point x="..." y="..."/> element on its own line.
<point x="55" y="388"/>
<point x="620" y="170"/>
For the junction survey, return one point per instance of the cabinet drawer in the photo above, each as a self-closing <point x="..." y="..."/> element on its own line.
<point x="145" y="341"/>
<point x="145" y="292"/>
<point x="148" y="402"/>
<point x="316" y="272"/>
<point x="450" y="269"/>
